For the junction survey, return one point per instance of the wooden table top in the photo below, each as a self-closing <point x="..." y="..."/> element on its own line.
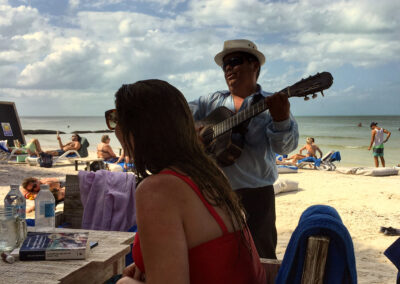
<point x="112" y="246"/>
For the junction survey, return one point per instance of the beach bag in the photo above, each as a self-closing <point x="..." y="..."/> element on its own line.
<point x="97" y="165"/>
<point x="45" y="160"/>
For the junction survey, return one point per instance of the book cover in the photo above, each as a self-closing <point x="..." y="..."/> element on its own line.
<point x="54" y="246"/>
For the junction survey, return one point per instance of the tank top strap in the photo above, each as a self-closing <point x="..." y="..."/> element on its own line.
<point x="195" y="188"/>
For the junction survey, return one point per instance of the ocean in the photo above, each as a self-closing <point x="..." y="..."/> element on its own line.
<point x="339" y="133"/>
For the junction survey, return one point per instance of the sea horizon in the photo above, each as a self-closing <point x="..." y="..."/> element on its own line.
<point x="340" y="133"/>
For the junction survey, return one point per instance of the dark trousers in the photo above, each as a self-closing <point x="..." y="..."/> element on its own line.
<point x="259" y="204"/>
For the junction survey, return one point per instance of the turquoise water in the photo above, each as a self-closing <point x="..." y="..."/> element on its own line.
<point x="339" y="133"/>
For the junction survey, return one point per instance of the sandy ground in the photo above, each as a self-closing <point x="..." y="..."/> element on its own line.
<point x="364" y="203"/>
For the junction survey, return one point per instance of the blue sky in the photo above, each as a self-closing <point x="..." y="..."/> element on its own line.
<point x="68" y="57"/>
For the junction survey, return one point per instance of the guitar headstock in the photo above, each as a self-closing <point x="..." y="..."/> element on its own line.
<point x="310" y="86"/>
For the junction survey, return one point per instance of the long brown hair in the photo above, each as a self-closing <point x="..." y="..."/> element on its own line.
<point x="156" y="115"/>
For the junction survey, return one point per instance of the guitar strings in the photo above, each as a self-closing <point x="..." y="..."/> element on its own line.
<point x="230" y="122"/>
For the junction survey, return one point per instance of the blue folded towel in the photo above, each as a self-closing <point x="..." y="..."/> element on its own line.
<point x="320" y="220"/>
<point x="317" y="162"/>
<point x="4" y="149"/>
<point x="280" y="157"/>
<point x="335" y="157"/>
<point x="393" y="254"/>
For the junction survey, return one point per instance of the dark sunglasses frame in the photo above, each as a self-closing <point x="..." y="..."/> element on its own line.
<point x="233" y="61"/>
<point x="111" y="118"/>
<point x="34" y="186"/>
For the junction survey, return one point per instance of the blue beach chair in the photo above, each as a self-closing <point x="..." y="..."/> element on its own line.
<point x="325" y="163"/>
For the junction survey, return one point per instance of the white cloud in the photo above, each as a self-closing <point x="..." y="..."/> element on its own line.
<point x="74" y="4"/>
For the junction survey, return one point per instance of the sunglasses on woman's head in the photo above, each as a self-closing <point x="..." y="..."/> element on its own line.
<point x="111" y="118"/>
<point x="233" y="61"/>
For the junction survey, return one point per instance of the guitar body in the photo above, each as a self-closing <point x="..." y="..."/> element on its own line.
<point x="221" y="148"/>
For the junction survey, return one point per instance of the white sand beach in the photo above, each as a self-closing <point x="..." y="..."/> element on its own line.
<point x="364" y="203"/>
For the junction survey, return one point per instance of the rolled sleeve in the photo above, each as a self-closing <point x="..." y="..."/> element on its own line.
<point x="283" y="135"/>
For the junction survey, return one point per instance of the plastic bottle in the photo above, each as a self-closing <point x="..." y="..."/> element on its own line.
<point x="44" y="210"/>
<point x="14" y="203"/>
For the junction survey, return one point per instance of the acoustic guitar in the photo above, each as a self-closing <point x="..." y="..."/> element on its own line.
<point x="221" y="123"/>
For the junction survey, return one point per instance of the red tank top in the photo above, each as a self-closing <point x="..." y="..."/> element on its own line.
<point x="225" y="259"/>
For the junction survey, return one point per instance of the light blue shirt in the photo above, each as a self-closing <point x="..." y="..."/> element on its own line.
<point x="256" y="166"/>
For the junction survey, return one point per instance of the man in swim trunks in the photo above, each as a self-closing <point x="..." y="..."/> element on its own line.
<point x="377" y="140"/>
<point x="75" y="144"/>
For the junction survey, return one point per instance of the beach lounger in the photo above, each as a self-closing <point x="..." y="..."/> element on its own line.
<point x="70" y="155"/>
<point x="325" y="163"/>
<point x="7" y="154"/>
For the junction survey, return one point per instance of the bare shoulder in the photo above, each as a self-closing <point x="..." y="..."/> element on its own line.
<point x="160" y="188"/>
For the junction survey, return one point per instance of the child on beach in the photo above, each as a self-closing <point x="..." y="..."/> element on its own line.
<point x="197" y="230"/>
<point x="377" y="140"/>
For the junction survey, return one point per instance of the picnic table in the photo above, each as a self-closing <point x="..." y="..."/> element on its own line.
<point x="103" y="261"/>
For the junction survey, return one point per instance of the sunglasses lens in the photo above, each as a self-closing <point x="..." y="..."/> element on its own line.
<point x="111" y="119"/>
<point x="232" y="62"/>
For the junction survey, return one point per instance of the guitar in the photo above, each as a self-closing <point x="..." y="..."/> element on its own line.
<point x="221" y="123"/>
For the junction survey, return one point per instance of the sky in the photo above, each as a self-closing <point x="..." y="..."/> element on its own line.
<point x="69" y="57"/>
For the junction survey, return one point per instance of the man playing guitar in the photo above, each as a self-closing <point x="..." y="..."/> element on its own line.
<point x="254" y="172"/>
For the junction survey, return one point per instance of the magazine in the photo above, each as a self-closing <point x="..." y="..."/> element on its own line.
<point x="54" y="246"/>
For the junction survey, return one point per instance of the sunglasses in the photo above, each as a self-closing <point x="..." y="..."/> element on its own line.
<point x="34" y="186"/>
<point x="233" y="61"/>
<point x="111" y="118"/>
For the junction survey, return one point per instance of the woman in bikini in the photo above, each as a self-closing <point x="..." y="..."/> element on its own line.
<point x="311" y="149"/>
<point x="191" y="227"/>
<point x="105" y="151"/>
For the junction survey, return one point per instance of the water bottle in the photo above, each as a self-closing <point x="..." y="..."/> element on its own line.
<point x="44" y="210"/>
<point x="12" y="230"/>
<point x="14" y="203"/>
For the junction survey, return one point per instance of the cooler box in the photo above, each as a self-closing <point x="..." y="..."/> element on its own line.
<point x="21" y="158"/>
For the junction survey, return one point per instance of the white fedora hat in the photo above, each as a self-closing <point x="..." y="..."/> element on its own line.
<point x="242" y="45"/>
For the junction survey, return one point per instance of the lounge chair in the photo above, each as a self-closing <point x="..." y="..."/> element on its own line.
<point x="7" y="154"/>
<point x="325" y="163"/>
<point x="71" y="154"/>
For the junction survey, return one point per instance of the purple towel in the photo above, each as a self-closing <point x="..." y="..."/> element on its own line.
<point x="108" y="200"/>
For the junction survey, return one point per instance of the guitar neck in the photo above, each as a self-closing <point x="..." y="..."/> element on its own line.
<point x="236" y="119"/>
<point x="302" y="88"/>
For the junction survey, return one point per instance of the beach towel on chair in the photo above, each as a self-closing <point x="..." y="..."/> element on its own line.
<point x="335" y="157"/>
<point x="323" y="221"/>
<point x="108" y="200"/>
<point x="316" y="161"/>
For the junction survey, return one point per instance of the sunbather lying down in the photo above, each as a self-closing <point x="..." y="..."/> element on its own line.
<point x="32" y="148"/>
<point x="31" y="187"/>
<point x="74" y="144"/>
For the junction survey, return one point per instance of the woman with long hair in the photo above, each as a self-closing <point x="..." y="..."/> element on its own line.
<point x="191" y="227"/>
